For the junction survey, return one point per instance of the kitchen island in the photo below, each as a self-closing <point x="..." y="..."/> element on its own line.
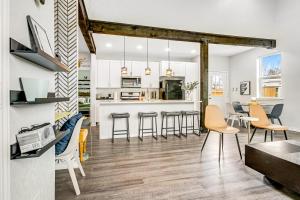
<point x="105" y="108"/>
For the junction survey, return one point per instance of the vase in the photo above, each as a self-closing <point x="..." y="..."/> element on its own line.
<point x="189" y="96"/>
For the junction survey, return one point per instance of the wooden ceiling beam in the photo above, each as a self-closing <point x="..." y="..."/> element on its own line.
<point x="83" y="21"/>
<point x="113" y="28"/>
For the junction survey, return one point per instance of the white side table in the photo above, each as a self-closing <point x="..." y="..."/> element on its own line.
<point x="249" y="120"/>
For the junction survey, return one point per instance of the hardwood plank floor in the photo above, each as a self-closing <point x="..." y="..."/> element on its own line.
<point x="169" y="169"/>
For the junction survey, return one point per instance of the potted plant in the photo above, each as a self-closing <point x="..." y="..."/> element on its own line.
<point x="188" y="88"/>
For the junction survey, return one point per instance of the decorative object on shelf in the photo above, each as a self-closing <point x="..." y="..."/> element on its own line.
<point x="169" y="71"/>
<point x="147" y="69"/>
<point x="15" y="152"/>
<point x="35" y="137"/>
<point x="188" y="88"/>
<point x="81" y="61"/>
<point x="42" y="2"/>
<point x="124" y="70"/>
<point x="38" y="37"/>
<point x="34" y="88"/>
<point x="245" y="88"/>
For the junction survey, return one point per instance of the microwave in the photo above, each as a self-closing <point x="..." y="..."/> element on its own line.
<point x="131" y="82"/>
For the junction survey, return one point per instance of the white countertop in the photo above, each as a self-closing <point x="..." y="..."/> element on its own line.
<point x="113" y="102"/>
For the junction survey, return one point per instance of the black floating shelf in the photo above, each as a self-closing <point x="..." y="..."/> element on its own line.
<point x="39" y="152"/>
<point x="38" y="57"/>
<point x="18" y="98"/>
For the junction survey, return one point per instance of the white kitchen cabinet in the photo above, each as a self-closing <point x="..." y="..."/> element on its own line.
<point x="103" y="74"/>
<point x="191" y="72"/>
<point x="177" y="67"/>
<point x="137" y="68"/>
<point x="151" y="81"/>
<point x="115" y="73"/>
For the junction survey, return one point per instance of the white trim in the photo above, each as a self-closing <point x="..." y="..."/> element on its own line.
<point x="4" y="102"/>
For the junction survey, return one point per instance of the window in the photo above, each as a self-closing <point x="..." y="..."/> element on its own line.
<point x="270" y="76"/>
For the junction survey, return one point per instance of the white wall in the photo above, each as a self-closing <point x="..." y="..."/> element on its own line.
<point x="4" y="102"/>
<point x="31" y="179"/>
<point x="243" y="67"/>
<point x="288" y="21"/>
<point x="236" y="17"/>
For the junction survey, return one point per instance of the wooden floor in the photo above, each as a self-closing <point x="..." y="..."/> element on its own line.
<point x="169" y="169"/>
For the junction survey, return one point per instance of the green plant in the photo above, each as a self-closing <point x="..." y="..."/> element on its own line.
<point x="190" y="86"/>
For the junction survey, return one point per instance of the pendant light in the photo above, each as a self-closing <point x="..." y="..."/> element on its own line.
<point x="124" y="70"/>
<point x="147" y="69"/>
<point x="169" y="71"/>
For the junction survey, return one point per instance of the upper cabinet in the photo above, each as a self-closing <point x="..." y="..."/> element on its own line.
<point x="191" y="72"/>
<point x="109" y="72"/>
<point x="103" y="72"/>
<point x="151" y="81"/>
<point x="115" y="73"/>
<point x="177" y="67"/>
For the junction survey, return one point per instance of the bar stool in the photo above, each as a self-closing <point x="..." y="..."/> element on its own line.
<point x="167" y="115"/>
<point x="142" y="116"/>
<point x="120" y="132"/>
<point x="191" y="114"/>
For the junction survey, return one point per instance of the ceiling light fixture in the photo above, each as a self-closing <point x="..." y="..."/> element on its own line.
<point x="124" y="70"/>
<point x="169" y="71"/>
<point x="167" y="49"/>
<point x="139" y="47"/>
<point x="108" y="45"/>
<point x="193" y="51"/>
<point x="147" y="69"/>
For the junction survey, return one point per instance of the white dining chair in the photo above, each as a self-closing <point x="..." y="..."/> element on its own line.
<point x="234" y="116"/>
<point x="71" y="154"/>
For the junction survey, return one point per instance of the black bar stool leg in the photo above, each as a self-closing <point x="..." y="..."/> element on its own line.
<point x="113" y="131"/>
<point x="142" y="128"/>
<point x="285" y="135"/>
<point x="139" y="128"/>
<point x="128" y="132"/>
<point x="156" y="128"/>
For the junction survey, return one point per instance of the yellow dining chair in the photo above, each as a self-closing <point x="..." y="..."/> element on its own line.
<point x="263" y="122"/>
<point x="214" y="121"/>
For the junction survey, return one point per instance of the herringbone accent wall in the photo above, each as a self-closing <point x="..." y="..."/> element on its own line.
<point x="66" y="21"/>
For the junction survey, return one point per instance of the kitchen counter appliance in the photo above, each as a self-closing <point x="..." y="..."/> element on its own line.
<point x="131" y="82"/>
<point x="130" y="95"/>
<point x="170" y="88"/>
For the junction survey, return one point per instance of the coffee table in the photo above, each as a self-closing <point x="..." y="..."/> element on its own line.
<point x="278" y="161"/>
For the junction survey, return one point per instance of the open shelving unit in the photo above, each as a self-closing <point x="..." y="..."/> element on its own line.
<point x="19" y="98"/>
<point x="38" y="57"/>
<point x="39" y="152"/>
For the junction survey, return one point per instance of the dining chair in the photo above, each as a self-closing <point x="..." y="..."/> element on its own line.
<point x="276" y="113"/>
<point x="71" y="154"/>
<point x="214" y="121"/>
<point x="239" y="108"/>
<point x="234" y="116"/>
<point x="257" y="111"/>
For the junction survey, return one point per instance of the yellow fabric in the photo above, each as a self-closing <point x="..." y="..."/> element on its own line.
<point x="82" y="143"/>
<point x="214" y="120"/>
<point x="263" y="122"/>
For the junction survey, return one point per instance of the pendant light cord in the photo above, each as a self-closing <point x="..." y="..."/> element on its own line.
<point x="169" y="53"/>
<point x="124" y="52"/>
<point x="147" y="54"/>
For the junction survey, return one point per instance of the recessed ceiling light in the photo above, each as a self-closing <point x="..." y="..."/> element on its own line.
<point x="139" y="47"/>
<point x="193" y="51"/>
<point x="108" y="45"/>
<point x="167" y="49"/>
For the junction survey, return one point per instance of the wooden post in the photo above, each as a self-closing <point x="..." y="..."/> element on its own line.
<point x="203" y="80"/>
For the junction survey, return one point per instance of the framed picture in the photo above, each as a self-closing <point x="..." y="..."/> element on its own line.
<point x="38" y="36"/>
<point x="245" y="88"/>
